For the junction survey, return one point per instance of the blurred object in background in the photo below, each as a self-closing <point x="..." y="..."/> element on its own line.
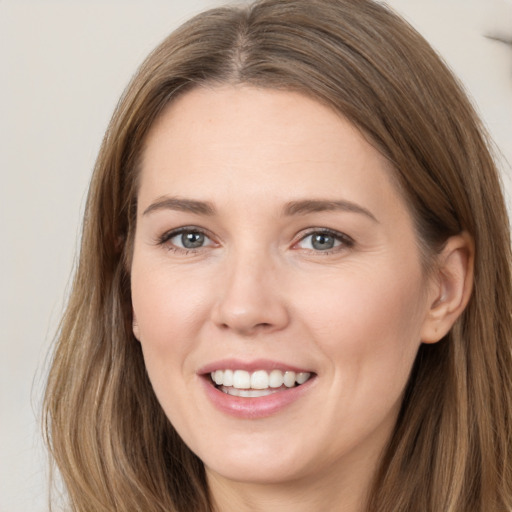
<point x="475" y="38"/>
<point x="498" y="22"/>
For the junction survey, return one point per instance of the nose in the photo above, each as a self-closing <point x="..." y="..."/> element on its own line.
<point x="251" y="297"/>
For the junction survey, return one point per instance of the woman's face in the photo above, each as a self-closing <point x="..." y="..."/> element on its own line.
<point x="273" y="251"/>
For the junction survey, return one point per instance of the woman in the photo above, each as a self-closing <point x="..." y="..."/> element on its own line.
<point x="294" y="281"/>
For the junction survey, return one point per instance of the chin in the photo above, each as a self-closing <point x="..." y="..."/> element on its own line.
<point x="255" y="458"/>
<point x="256" y="471"/>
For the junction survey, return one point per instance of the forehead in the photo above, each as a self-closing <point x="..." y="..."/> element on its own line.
<point x="245" y="112"/>
<point x="241" y="141"/>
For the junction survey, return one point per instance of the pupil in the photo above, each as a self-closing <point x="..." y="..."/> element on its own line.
<point x="322" y="242"/>
<point x="192" y="240"/>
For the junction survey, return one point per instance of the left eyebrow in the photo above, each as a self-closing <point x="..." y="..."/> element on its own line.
<point x="182" y="205"/>
<point x="306" y="206"/>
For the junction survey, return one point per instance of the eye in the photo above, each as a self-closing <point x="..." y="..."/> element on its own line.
<point x="324" y="241"/>
<point x="187" y="239"/>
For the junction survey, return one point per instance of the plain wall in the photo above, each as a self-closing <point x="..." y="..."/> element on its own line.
<point x="63" y="66"/>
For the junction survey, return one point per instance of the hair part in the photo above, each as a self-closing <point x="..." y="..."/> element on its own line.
<point x="451" y="449"/>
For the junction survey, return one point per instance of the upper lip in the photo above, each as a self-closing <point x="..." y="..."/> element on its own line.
<point x="250" y="366"/>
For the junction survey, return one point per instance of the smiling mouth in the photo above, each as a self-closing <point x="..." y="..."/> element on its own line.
<point x="260" y="383"/>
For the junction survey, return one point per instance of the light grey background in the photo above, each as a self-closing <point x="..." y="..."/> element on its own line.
<point x="63" y="66"/>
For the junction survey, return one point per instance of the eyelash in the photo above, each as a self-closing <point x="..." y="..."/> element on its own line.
<point x="345" y="241"/>
<point x="164" y="239"/>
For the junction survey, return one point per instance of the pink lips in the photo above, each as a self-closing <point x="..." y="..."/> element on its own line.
<point x="249" y="366"/>
<point x="252" y="408"/>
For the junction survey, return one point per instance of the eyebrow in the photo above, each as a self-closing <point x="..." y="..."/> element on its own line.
<point x="300" y="207"/>
<point x="306" y="206"/>
<point x="182" y="205"/>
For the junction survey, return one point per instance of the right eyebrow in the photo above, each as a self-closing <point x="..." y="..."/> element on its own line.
<point x="181" y="205"/>
<point x="306" y="206"/>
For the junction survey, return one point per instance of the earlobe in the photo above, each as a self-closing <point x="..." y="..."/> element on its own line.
<point x="135" y="326"/>
<point x="451" y="287"/>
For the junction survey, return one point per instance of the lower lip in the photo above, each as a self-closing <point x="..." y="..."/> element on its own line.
<point x="254" y="407"/>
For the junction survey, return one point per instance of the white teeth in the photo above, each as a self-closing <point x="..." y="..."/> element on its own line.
<point x="276" y="379"/>
<point x="300" y="378"/>
<point x="289" y="379"/>
<point x="241" y="379"/>
<point x="247" y="393"/>
<point x="258" y="380"/>
<point x="218" y="377"/>
<point x="228" y="378"/>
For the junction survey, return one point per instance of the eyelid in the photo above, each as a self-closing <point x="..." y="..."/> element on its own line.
<point x="345" y="240"/>
<point x="164" y="239"/>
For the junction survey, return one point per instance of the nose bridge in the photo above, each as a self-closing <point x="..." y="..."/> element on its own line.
<point x="250" y="298"/>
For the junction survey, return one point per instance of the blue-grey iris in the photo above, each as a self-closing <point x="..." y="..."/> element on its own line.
<point x="192" y="240"/>
<point x="322" y="241"/>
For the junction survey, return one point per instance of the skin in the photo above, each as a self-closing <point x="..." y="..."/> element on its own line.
<point x="354" y="315"/>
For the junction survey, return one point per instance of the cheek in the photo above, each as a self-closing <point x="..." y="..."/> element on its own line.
<point x="369" y="332"/>
<point x="368" y="326"/>
<point x="168" y="308"/>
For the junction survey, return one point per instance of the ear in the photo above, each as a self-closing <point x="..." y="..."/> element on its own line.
<point x="135" y="326"/>
<point x="451" y="287"/>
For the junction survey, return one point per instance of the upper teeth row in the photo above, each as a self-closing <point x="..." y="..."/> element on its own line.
<point x="260" y="379"/>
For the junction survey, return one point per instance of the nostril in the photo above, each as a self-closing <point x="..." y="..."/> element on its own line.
<point x="249" y="313"/>
<point x="263" y="326"/>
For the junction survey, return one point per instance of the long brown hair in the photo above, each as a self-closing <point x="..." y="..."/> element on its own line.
<point x="451" y="448"/>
